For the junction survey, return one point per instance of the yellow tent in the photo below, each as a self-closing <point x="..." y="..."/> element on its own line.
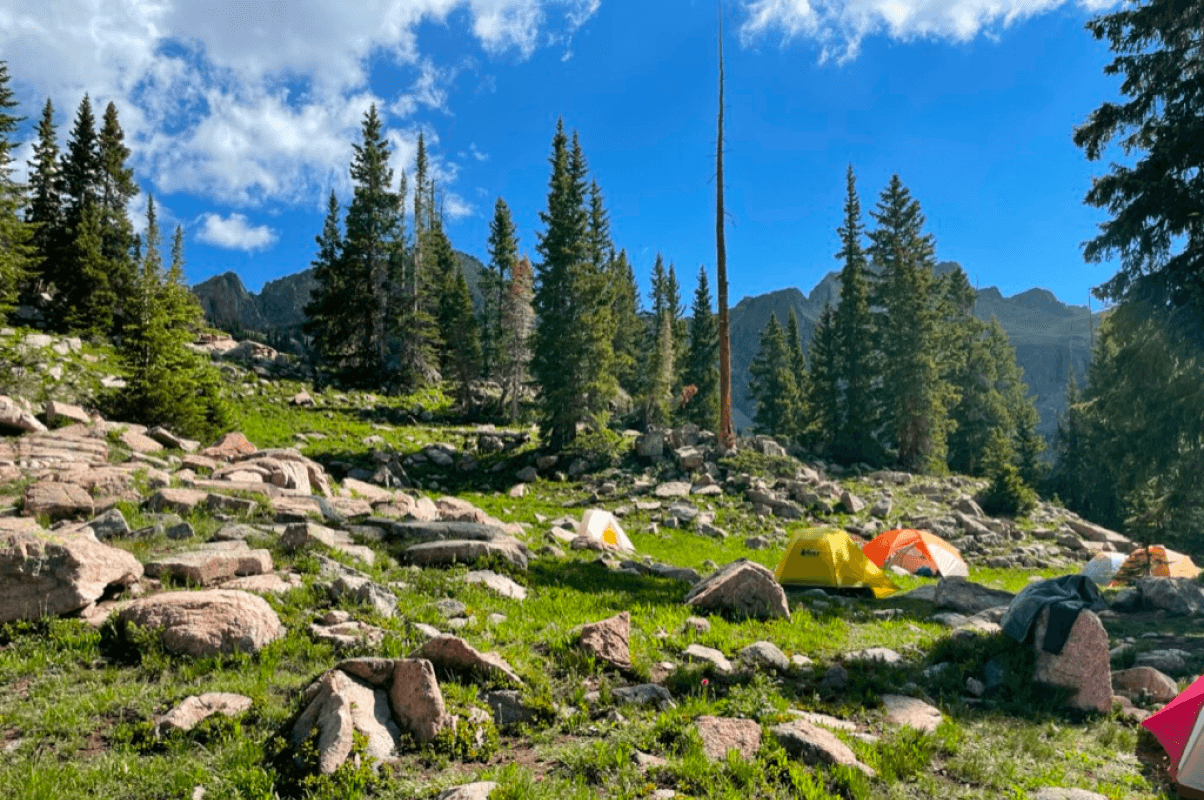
<point x="825" y="557"/>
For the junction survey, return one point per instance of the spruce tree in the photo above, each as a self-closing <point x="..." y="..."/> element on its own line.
<point x="857" y="416"/>
<point x="980" y="408"/>
<point x="17" y="253"/>
<point x="89" y="298"/>
<point x="167" y="383"/>
<point x="326" y="318"/>
<point x="462" y="339"/>
<point x="702" y="359"/>
<point x="628" y="325"/>
<point x="570" y="304"/>
<point x="681" y="331"/>
<point x="823" y="383"/>
<point x="503" y="250"/>
<point x="117" y="188"/>
<point x="797" y="363"/>
<point x="772" y="384"/>
<point x="518" y="322"/>
<point x="913" y="394"/>
<point x="659" y="350"/>
<point x="79" y="270"/>
<point x="417" y="329"/>
<point x="45" y="209"/>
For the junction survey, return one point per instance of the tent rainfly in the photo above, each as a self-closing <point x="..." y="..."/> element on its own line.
<point x="1179" y="726"/>
<point x="828" y="558"/>
<point x="602" y="525"/>
<point x="918" y="552"/>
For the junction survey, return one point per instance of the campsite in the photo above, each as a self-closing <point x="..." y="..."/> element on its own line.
<point x="607" y="681"/>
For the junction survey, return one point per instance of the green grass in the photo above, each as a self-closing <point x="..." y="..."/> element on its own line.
<point x="80" y="702"/>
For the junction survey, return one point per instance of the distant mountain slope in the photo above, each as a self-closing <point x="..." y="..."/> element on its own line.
<point x="1049" y="336"/>
<point x="280" y="305"/>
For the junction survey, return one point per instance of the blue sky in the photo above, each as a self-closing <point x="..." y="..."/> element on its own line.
<point x="241" y="118"/>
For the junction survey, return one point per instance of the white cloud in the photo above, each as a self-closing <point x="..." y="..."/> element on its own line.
<point x="839" y="26"/>
<point x="477" y="154"/>
<point x="246" y="102"/>
<point x="233" y="233"/>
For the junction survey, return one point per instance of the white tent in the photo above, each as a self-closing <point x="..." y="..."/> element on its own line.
<point x="602" y="525"/>
<point x="1103" y="568"/>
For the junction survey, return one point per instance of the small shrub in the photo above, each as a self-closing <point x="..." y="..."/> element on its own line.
<point x="601" y="448"/>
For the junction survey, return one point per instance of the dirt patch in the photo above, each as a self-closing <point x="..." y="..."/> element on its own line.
<point x="1155" y="763"/>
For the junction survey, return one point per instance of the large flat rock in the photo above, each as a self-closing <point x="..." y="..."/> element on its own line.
<point x="447" y="553"/>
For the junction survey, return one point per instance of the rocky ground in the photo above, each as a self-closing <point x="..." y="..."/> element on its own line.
<point x="352" y="599"/>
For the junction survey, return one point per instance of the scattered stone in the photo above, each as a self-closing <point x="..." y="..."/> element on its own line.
<point x="14" y="417"/>
<point x="607" y="640"/>
<point x="109" y="524"/>
<point x="851" y="502"/>
<point x="672" y="489"/>
<point x="47" y="574"/>
<point x="816" y="746"/>
<point x="416" y="699"/>
<point x="196" y="708"/>
<point x="508" y="707"/>
<point x="707" y="655"/>
<point x="1169" y="660"/>
<point x="448" y="553"/>
<point x="207" y="623"/>
<point x="880" y="655"/>
<point x="698" y="624"/>
<point x="497" y="583"/>
<point x="1083" y="664"/>
<point x="57" y="500"/>
<point x="1052" y="793"/>
<point x="211" y="563"/>
<point x="455" y="654"/>
<point x="469" y="791"/>
<point x="229" y="447"/>
<point x="644" y="694"/>
<point x="1138" y="681"/>
<point x="1178" y="596"/>
<point x="339" y="707"/>
<point x="968" y="597"/>
<point x="721" y="734"/>
<point x="912" y="712"/>
<point x="181" y="501"/>
<point x="307" y="533"/>
<point x="742" y="588"/>
<point x="765" y="654"/>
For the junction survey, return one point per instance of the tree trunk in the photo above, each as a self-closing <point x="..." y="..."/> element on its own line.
<point x="727" y="436"/>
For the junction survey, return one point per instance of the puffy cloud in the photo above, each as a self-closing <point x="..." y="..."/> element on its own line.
<point x="248" y="101"/>
<point x="233" y="233"/>
<point x="839" y="26"/>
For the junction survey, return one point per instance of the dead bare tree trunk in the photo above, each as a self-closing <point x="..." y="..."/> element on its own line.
<point x="727" y="436"/>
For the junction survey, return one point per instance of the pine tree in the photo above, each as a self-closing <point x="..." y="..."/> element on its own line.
<point x="417" y="329"/>
<point x="681" y="331"/>
<point x="857" y="415"/>
<point x="503" y="250"/>
<point x="518" y="322"/>
<point x="372" y="229"/>
<point x="444" y="269"/>
<point x="326" y="320"/>
<point x="45" y="209"/>
<point x="117" y="188"/>
<point x="980" y="408"/>
<point x="913" y="394"/>
<point x="167" y="383"/>
<point x="702" y="365"/>
<point x="797" y="363"/>
<point x="570" y="304"/>
<point x="771" y="383"/>
<point x="17" y="254"/>
<point x="79" y="270"/>
<point x="823" y="387"/>
<point x="659" y="350"/>
<point x="625" y="308"/>
<point x="90" y="298"/>
<point x="462" y="338"/>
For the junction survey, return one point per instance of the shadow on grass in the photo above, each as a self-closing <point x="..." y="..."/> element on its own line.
<point x="591" y="578"/>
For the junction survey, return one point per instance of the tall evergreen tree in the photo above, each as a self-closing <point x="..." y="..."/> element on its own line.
<point x="326" y="317"/>
<point x="702" y="359"/>
<point x="857" y="415"/>
<point x="167" y="383"/>
<point x="16" y="250"/>
<point x="681" y="330"/>
<point x="518" y="322"/>
<point x="659" y="350"/>
<point x="772" y="383"/>
<point x="823" y="382"/>
<point x="799" y="414"/>
<point x="628" y="325"/>
<point x="570" y="304"/>
<point x="913" y="394"/>
<point x="503" y="250"/>
<point x="45" y="209"/>
<point x="117" y="188"/>
<point x="79" y="273"/>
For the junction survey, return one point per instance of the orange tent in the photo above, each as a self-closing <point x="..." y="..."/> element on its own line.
<point x="1155" y="560"/>
<point x="914" y="550"/>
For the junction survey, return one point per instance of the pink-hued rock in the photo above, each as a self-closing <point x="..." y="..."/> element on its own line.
<point x="912" y="712"/>
<point x="140" y="443"/>
<point x="15" y="417"/>
<point x="268" y="583"/>
<point x="340" y="706"/>
<point x="181" y="501"/>
<point x="196" y="708"/>
<point x="720" y="734"/>
<point x="47" y="574"/>
<point x="453" y="509"/>
<point x="1137" y="681"/>
<point x="608" y="640"/>
<point x="742" y="588"/>
<point x="1084" y="663"/>
<point x="816" y="746"/>
<point x="57" y="412"/>
<point x="416" y="699"/>
<point x="207" y="623"/>
<point x="453" y="653"/>
<point x="229" y="447"/>
<point x="212" y="562"/>
<point x="57" y="500"/>
<point x="369" y="492"/>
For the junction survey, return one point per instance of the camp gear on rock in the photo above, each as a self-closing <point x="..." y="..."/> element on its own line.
<point x="825" y="557"/>
<point x="1155" y="560"/>
<point x="1066" y="597"/>
<point x="1179" y="726"/>
<point x="913" y="550"/>
<point x="1103" y="567"/>
<point x="602" y="525"/>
